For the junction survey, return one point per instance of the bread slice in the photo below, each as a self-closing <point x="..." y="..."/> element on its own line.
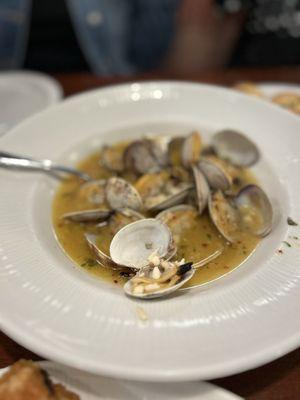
<point x="25" y="380"/>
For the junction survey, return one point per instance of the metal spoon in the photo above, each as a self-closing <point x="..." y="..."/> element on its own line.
<point x="12" y="161"/>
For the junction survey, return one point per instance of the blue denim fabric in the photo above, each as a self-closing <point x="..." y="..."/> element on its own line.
<point x="113" y="38"/>
<point x="13" y="32"/>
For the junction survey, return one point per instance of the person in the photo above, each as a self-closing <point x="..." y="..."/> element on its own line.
<point x="122" y="37"/>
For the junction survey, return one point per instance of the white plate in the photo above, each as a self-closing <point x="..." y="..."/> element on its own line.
<point x="271" y="89"/>
<point x="52" y="307"/>
<point x="23" y="94"/>
<point x="92" y="387"/>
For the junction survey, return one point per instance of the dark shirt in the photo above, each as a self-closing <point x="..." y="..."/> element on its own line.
<point x="52" y="44"/>
<point x="271" y="34"/>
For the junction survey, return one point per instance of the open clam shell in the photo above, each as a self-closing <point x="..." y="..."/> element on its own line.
<point x="158" y="146"/>
<point x="235" y="147"/>
<point x="191" y="149"/>
<point x="140" y="159"/>
<point x="165" y="201"/>
<point x="255" y="210"/>
<point x="95" y="215"/>
<point x="202" y="189"/>
<point x="121" y="194"/>
<point x="224" y="216"/>
<point x="158" y="287"/>
<point x="133" y="245"/>
<point x="215" y="173"/>
<point x="250" y="210"/>
<point x="101" y="257"/>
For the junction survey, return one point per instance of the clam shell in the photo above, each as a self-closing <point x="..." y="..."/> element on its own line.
<point x="112" y="157"/>
<point x="139" y="158"/>
<point x="215" y="174"/>
<point x="235" y="147"/>
<point x="121" y="194"/>
<point x="172" y="199"/>
<point x="174" y="151"/>
<point x="191" y="149"/>
<point x="163" y="292"/>
<point x="134" y="243"/>
<point x="253" y="198"/>
<point x="158" y="146"/>
<point x="208" y="259"/>
<point x="93" y="191"/>
<point x="202" y="189"/>
<point x="101" y="257"/>
<point x="88" y="215"/>
<point x="224" y="216"/>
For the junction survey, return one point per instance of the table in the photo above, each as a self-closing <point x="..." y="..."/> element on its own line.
<point x="278" y="380"/>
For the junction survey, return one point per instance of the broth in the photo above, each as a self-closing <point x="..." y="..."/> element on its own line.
<point x="199" y="239"/>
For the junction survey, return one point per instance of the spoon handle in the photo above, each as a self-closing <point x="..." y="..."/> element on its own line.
<point x="8" y="160"/>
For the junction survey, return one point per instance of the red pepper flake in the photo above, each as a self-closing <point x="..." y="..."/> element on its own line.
<point x="279" y="251"/>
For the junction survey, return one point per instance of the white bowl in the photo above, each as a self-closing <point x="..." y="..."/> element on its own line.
<point x="51" y="306"/>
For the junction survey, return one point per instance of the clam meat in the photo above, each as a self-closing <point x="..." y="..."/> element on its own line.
<point x="159" y="278"/>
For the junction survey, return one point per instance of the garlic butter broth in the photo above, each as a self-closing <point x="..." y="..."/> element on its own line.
<point x="196" y="241"/>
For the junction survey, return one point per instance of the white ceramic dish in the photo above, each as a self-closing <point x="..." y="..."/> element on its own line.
<point x="92" y="387"/>
<point x="271" y="89"/>
<point x="23" y="93"/>
<point x="52" y="307"/>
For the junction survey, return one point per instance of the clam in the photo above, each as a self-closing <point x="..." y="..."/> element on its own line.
<point x="159" y="280"/>
<point x="180" y="173"/>
<point x="250" y="210"/>
<point x="255" y="210"/>
<point x="140" y="159"/>
<point x="121" y="194"/>
<point x="158" y="146"/>
<point x="174" y="151"/>
<point x="116" y="221"/>
<point x="134" y="243"/>
<point x="160" y="190"/>
<point x="191" y="149"/>
<point x="101" y="257"/>
<point x="121" y="218"/>
<point x="95" y="215"/>
<point x="215" y="173"/>
<point x="112" y="157"/>
<point x="180" y="218"/>
<point x="202" y="189"/>
<point x="235" y="147"/>
<point x="93" y="191"/>
<point x="224" y="215"/>
<point x="174" y="195"/>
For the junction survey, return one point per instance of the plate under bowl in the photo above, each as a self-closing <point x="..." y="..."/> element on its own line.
<point x="52" y="307"/>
